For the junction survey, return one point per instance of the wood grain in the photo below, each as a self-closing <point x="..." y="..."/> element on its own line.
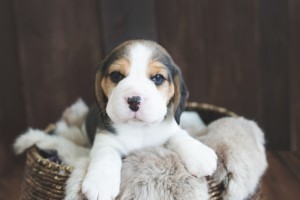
<point x="12" y="112"/>
<point x="178" y="26"/>
<point x="282" y="180"/>
<point x="294" y="72"/>
<point x="126" y="20"/>
<point x="59" y="48"/>
<point x="216" y="46"/>
<point x="274" y="62"/>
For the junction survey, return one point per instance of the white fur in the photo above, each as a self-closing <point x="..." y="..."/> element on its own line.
<point x="102" y="180"/>
<point x="199" y="159"/>
<point x="137" y="130"/>
<point x="75" y="114"/>
<point x="71" y="125"/>
<point x="66" y="150"/>
<point x="72" y="133"/>
<point x="104" y="169"/>
<point x="24" y="141"/>
<point x="69" y="140"/>
<point x="74" y="182"/>
<point x="153" y="104"/>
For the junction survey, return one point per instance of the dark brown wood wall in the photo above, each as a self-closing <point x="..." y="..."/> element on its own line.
<point x="242" y="55"/>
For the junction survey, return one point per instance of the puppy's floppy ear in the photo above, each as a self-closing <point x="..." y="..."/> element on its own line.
<point x="101" y="98"/>
<point x="180" y="95"/>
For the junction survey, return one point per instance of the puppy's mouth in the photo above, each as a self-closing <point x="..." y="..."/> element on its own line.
<point x="135" y="118"/>
<point x="136" y="121"/>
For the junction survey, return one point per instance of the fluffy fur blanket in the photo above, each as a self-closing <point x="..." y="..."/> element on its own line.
<point x="157" y="173"/>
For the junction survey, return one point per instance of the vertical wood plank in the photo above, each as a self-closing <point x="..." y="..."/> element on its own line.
<point x="294" y="72"/>
<point x="232" y="34"/>
<point x="125" y="20"/>
<point x="216" y="45"/>
<point x="12" y="114"/>
<point x="59" y="47"/>
<point x="274" y="65"/>
<point x="181" y="32"/>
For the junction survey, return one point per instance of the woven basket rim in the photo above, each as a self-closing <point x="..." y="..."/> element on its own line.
<point x="211" y="107"/>
<point x="34" y="153"/>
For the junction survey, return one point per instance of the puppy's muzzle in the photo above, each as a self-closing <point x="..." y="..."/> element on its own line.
<point x="134" y="103"/>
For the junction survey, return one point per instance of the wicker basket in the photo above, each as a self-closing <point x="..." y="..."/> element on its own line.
<point x="44" y="179"/>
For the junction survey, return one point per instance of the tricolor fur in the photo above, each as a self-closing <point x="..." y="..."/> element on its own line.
<point x="141" y="95"/>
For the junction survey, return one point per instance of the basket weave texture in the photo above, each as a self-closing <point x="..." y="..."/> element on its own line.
<point x="44" y="179"/>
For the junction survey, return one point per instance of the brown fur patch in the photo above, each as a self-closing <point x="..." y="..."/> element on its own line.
<point x="99" y="91"/>
<point x="107" y="85"/>
<point x="123" y="66"/>
<point x="171" y="91"/>
<point x="156" y="67"/>
<point x="167" y="88"/>
<point x="177" y="94"/>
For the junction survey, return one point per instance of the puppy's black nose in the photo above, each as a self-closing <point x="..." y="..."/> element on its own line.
<point x="134" y="103"/>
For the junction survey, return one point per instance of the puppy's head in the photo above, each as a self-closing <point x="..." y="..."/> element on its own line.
<point x="140" y="83"/>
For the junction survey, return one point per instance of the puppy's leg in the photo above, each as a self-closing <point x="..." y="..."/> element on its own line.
<point x="199" y="159"/>
<point x="102" y="181"/>
<point x="73" y="185"/>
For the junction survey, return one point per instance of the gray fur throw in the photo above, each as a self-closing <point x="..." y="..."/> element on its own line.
<point x="157" y="173"/>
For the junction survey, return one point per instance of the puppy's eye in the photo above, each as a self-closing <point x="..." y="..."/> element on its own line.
<point x="116" y="77"/>
<point x="158" y="79"/>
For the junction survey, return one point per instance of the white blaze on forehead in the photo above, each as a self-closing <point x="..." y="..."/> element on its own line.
<point x="140" y="56"/>
<point x="153" y="106"/>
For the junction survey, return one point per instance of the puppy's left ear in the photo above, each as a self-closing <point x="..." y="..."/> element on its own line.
<point x="180" y="96"/>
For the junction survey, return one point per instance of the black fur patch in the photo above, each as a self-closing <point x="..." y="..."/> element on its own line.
<point x="116" y="54"/>
<point x="96" y="120"/>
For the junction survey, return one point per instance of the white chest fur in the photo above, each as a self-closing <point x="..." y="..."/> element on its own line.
<point x="130" y="137"/>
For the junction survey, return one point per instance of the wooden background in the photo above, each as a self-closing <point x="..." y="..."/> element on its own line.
<point x="242" y="55"/>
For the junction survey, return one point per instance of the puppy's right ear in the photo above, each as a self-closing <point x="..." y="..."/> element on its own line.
<point x="117" y="53"/>
<point x="101" y="98"/>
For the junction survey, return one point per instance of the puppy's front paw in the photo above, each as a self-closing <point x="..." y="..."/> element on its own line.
<point x="199" y="159"/>
<point x="103" y="186"/>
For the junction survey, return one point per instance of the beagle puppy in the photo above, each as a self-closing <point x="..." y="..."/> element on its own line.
<point x="141" y="95"/>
